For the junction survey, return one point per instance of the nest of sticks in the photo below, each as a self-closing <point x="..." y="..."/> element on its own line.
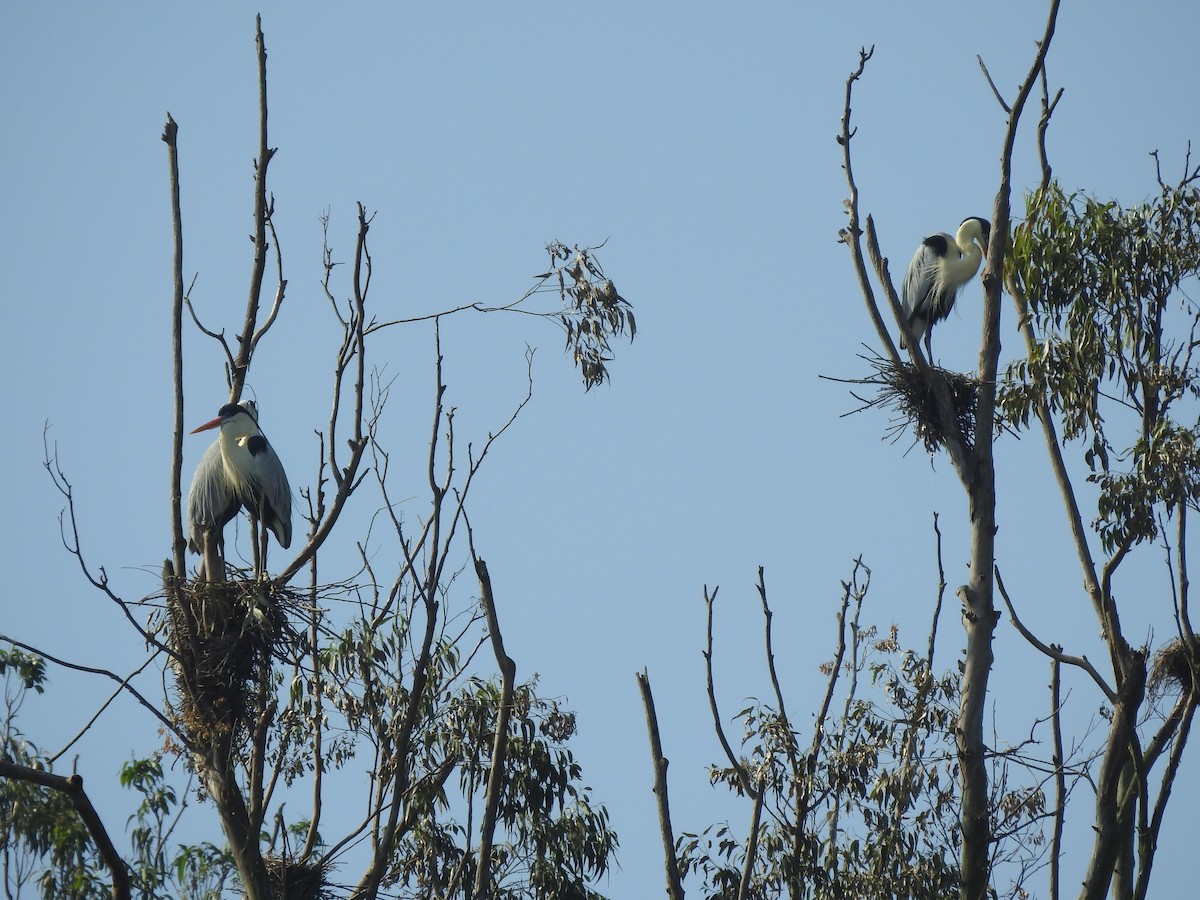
<point x="902" y="387"/>
<point x="223" y="636"/>
<point x="295" y="880"/>
<point x="1172" y="669"/>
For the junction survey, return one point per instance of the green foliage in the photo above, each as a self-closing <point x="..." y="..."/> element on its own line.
<point x="593" y="311"/>
<point x="1114" y="335"/>
<point x="44" y="843"/>
<point x="867" y="804"/>
<point x="28" y="669"/>
<point x="42" y="840"/>
<point x="551" y="839"/>
<point x="869" y="810"/>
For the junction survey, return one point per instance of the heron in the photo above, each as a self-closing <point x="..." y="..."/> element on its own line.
<point x="240" y="469"/>
<point x="939" y="269"/>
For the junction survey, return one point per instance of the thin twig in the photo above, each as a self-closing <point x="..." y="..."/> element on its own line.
<point x="103" y="706"/>
<point x="995" y="90"/>
<point x="1053" y="651"/>
<point x="734" y="762"/>
<point x="91" y="670"/>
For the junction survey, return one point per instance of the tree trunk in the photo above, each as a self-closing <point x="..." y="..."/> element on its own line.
<point x="1111" y="833"/>
<point x="222" y="787"/>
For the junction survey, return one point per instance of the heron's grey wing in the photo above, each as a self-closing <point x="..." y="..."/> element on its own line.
<point x="211" y="500"/>
<point x="272" y="483"/>
<point x="920" y="281"/>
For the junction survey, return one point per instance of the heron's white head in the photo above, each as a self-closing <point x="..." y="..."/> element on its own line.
<point x="236" y="420"/>
<point x="974" y="231"/>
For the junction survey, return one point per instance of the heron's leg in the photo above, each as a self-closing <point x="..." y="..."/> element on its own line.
<point x="212" y="566"/>
<point x="263" y="532"/>
<point x="256" y="528"/>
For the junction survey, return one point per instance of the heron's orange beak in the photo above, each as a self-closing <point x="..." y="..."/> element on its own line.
<point x="215" y="423"/>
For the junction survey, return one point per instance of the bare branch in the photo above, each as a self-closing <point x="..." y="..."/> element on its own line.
<point x="72" y="786"/>
<point x="496" y="779"/>
<point x="1060" y="780"/>
<point x="90" y="670"/>
<point x="178" y="544"/>
<point x="1148" y="838"/>
<point x="1048" y="106"/>
<point x="1052" y="651"/>
<point x="941" y="594"/>
<point x="241" y="365"/>
<point x="103" y="706"/>
<point x="72" y="544"/>
<point x="751" y="843"/>
<point x="995" y="90"/>
<point x="281" y="285"/>
<point x="851" y="235"/>
<point x="718" y="726"/>
<point x="660" y="762"/>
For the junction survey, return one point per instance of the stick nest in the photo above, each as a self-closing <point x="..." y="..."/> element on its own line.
<point x="1172" y="668"/>
<point x="295" y="880"/>
<point x="223" y="636"/>
<point x="903" y="388"/>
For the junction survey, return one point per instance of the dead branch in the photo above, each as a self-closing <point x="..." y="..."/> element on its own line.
<point x="496" y="780"/>
<point x="1060" y="779"/>
<point x="178" y="543"/>
<point x="995" y="90"/>
<point x="112" y="676"/>
<point x="660" y="763"/>
<point x="941" y="594"/>
<point x="743" y="775"/>
<point x="1052" y="651"/>
<point x="72" y="786"/>
<point x="262" y="211"/>
<point x="72" y="543"/>
<point x="851" y="235"/>
<point x="103" y="706"/>
<point x="347" y="478"/>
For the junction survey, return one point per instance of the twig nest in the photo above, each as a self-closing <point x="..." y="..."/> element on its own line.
<point x="902" y="387"/>
<point x="294" y="880"/>
<point x="1171" y="669"/>
<point x="223" y="636"/>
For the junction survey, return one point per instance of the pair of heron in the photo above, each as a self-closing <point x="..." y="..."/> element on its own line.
<point x="240" y="469"/>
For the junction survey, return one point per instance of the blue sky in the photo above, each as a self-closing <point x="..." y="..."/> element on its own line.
<point x="698" y="141"/>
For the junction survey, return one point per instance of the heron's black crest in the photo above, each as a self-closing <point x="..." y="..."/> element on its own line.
<point x="229" y="410"/>
<point x="937" y="243"/>
<point x="256" y="444"/>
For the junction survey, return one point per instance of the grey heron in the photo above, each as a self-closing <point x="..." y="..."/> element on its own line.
<point x="939" y="269"/>
<point x="239" y="469"/>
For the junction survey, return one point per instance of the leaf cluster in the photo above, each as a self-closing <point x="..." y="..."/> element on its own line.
<point x="1112" y="337"/>
<point x="45" y="844"/>
<point x="593" y="310"/>
<point x="867" y="810"/>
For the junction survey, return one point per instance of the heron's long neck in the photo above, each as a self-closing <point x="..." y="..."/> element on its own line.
<point x="234" y="450"/>
<point x="968" y="264"/>
<point x="231" y="441"/>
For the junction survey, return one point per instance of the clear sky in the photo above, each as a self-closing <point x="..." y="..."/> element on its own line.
<point x="698" y="140"/>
